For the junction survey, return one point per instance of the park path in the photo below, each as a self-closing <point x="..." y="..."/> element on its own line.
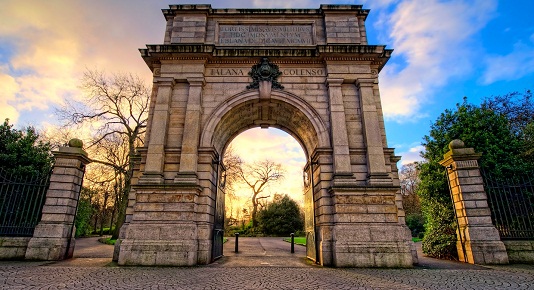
<point x="253" y="252"/>
<point x="262" y="252"/>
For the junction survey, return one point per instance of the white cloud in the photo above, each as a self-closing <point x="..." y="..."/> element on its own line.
<point x="513" y="66"/>
<point x="412" y="155"/>
<point x="432" y="38"/>
<point x="9" y="88"/>
<point x="48" y="45"/>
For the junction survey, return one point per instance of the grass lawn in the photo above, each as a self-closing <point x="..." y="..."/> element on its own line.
<point x="298" y="240"/>
<point x="108" y="241"/>
<point x="302" y="240"/>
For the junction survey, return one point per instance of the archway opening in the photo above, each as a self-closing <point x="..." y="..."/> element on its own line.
<point x="265" y="213"/>
<point x="254" y="146"/>
<point x="296" y="119"/>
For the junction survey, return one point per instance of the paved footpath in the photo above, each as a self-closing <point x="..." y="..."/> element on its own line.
<point x="262" y="263"/>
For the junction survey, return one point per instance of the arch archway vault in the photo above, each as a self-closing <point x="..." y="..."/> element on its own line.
<point x="309" y="72"/>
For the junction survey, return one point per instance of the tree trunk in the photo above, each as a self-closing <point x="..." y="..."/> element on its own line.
<point x="111" y="219"/>
<point x="95" y="228"/>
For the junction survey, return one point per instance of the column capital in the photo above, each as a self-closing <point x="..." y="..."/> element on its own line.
<point x="333" y="82"/>
<point x="365" y="82"/>
<point x="75" y="151"/>
<point x="165" y="81"/>
<point x="196" y="81"/>
<point x="458" y="152"/>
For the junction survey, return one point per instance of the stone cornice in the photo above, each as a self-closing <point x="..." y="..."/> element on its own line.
<point x="377" y="54"/>
<point x="206" y="8"/>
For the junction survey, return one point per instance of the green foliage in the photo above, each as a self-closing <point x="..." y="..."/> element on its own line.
<point x="416" y="223"/>
<point x="83" y="218"/>
<point x="281" y="217"/>
<point x="245" y="230"/>
<point x="489" y="132"/>
<point x="440" y="230"/>
<point x="528" y="143"/>
<point x="21" y="152"/>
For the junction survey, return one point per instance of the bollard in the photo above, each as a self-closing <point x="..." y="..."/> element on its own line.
<point x="236" y="242"/>
<point x="292" y="242"/>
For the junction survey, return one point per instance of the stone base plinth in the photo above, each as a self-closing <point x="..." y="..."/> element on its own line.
<point x="366" y="245"/>
<point x="158" y="253"/>
<point x="13" y="248"/>
<point x="520" y="251"/>
<point x="159" y="244"/>
<point x="482" y="245"/>
<point x="483" y="253"/>
<point x="49" y="249"/>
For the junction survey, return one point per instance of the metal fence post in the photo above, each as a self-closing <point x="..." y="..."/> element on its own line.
<point x="236" y="242"/>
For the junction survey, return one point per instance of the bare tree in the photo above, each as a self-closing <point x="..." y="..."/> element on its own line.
<point x="257" y="176"/>
<point x="115" y="108"/>
<point x="409" y="179"/>
<point x="231" y="162"/>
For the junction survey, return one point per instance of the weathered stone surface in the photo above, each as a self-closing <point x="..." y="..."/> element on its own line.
<point x="520" y="251"/>
<point x="307" y="71"/>
<point x="13" y="248"/>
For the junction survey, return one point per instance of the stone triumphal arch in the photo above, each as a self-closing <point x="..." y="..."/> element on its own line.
<point x="309" y="72"/>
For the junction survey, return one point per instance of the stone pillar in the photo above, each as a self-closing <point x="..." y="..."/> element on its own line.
<point x="136" y="161"/>
<point x="376" y="166"/>
<point x="153" y="173"/>
<point x="191" y="138"/>
<point x="53" y="238"/>
<point x="478" y="240"/>
<point x="340" y="140"/>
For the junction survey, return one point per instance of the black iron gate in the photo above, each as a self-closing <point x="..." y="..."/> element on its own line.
<point x="21" y="201"/>
<point x="309" y="215"/>
<point x="218" y="226"/>
<point x="512" y="205"/>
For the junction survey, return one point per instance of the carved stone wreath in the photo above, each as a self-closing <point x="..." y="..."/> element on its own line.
<point x="264" y="71"/>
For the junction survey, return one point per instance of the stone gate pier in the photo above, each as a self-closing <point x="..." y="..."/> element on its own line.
<point x="309" y="72"/>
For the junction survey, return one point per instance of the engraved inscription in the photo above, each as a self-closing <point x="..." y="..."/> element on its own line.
<point x="285" y="72"/>
<point x="265" y="34"/>
<point x="227" y="72"/>
<point x="303" y="72"/>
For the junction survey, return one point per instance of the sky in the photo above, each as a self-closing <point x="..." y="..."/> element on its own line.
<point x="443" y="51"/>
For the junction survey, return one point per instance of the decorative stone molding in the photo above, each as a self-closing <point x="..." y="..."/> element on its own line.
<point x="264" y="71"/>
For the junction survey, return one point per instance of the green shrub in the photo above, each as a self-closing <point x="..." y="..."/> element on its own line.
<point x="83" y="218"/>
<point x="440" y="231"/>
<point x="281" y="218"/>
<point x="416" y="223"/>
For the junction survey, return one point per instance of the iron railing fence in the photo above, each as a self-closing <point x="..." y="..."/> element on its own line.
<point x="21" y="201"/>
<point x="511" y="201"/>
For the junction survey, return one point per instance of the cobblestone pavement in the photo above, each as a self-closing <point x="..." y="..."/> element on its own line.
<point x="100" y="273"/>
<point x="31" y="275"/>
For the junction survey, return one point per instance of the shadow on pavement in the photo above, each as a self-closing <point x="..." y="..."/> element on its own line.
<point x="253" y="252"/>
